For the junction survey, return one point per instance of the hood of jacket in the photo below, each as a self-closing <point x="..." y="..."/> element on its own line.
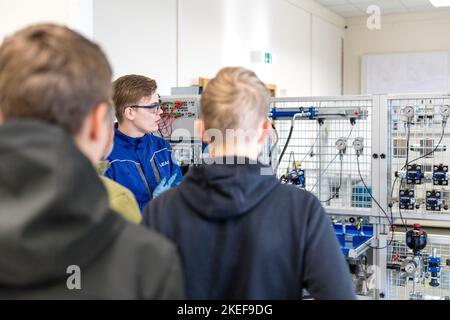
<point x="54" y="210"/>
<point x="224" y="191"/>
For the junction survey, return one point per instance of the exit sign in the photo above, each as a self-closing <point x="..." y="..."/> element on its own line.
<point x="268" y="57"/>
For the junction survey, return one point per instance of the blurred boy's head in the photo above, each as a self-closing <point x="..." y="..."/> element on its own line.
<point x="110" y="142"/>
<point x="53" y="74"/>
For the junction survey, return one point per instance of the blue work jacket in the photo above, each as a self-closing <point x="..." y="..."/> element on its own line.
<point x="140" y="164"/>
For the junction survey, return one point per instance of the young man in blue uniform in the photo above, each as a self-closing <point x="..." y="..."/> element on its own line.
<point x="140" y="161"/>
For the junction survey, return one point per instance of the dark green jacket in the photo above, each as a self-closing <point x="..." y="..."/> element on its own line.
<point x="54" y="214"/>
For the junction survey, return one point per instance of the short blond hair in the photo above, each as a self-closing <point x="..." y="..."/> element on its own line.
<point x="234" y="99"/>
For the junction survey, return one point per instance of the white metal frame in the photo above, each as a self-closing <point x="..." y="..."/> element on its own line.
<point x="381" y="181"/>
<point x="322" y="161"/>
<point x="380" y="178"/>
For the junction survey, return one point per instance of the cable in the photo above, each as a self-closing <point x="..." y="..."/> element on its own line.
<point x="391" y="204"/>
<point x="408" y="138"/>
<point x="312" y="147"/>
<point x="351" y="130"/>
<point x="289" y="164"/>
<point x="340" y="184"/>
<point x="407" y="162"/>
<point x="368" y="191"/>
<point x="401" y="217"/>
<point x="408" y="133"/>
<point x="291" y="155"/>
<point x="432" y="151"/>
<point x="275" y="143"/>
<point x="288" y="140"/>
<point x="379" y="206"/>
<point x="285" y="146"/>
<point x="387" y="245"/>
<point x="321" y="174"/>
<point x="168" y="117"/>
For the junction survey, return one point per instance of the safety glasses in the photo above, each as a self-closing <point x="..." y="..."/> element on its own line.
<point x="154" y="106"/>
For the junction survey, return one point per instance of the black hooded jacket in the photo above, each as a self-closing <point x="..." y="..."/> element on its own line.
<point x="243" y="235"/>
<point x="54" y="214"/>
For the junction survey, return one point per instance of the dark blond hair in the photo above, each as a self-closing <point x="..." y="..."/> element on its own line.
<point x="129" y="89"/>
<point x="51" y="73"/>
<point x="235" y="99"/>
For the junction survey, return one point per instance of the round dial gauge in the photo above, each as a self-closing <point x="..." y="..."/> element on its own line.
<point x="341" y="144"/>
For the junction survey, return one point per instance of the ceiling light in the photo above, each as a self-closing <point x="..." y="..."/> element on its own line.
<point x="440" y="3"/>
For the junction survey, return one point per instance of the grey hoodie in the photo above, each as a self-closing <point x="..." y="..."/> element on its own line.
<point x="54" y="213"/>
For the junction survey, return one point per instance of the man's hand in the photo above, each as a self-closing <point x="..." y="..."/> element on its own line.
<point x="163" y="186"/>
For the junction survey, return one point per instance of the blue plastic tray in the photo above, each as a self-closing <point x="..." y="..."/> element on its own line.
<point x="352" y="240"/>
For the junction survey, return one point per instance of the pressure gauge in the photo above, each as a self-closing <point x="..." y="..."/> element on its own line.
<point x="408" y="112"/>
<point x="341" y="144"/>
<point x="445" y="112"/>
<point x="358" y="145"/>
<point x="410" y="266"/>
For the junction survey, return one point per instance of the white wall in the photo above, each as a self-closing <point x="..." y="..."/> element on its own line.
<point x="81" y="17"/>
<point x="17" y="14"/>
<point x="227" y="33"/>
<point x="176" y="47"/>
<point x="326" y="58"/>
<point x="139" y="36"/>
<point x="424" y="32"/>
<point x="177" y="41"/>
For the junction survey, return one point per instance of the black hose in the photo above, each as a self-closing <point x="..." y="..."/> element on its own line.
<point x="285" y="147"/>
<point x="275" y="143"/>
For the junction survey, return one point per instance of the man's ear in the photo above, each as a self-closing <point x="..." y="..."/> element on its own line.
<point x="98" y="121"/>
<point x="129" y="113"/>
<point x="266" y="126"/>
<point x="200" y="130"/>
<point x="1" y="117"/>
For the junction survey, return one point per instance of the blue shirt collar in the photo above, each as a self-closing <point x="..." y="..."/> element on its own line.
<point x="127" y="139"/>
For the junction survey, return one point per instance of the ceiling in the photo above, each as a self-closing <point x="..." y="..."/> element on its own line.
<point x="355" y="8"/>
